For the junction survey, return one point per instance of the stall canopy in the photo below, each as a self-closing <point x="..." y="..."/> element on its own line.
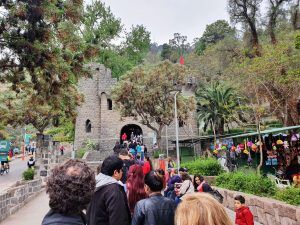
<point x="228" y="136"/>
<point x="269" y="131"/>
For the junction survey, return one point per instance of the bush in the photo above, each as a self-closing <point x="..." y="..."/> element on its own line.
<point x="249" y="183"/>
<point x="206" y="167"/>
<point x="289" y="195"/>
<point x="156" y="153"/>
<point x="28" y="174"/>
<point x="80" y="153"/>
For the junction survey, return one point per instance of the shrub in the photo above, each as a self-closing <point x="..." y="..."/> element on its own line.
<point x="249" y="183"/>
<point x="156" y="153"/>
<point x="80" y="153"/>
<point x="28" y="174"/>
<point x="206" y="167"/>
<point x="289" y="195"/>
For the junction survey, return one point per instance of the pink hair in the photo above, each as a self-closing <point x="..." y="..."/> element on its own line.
<point x="135" y="186"/>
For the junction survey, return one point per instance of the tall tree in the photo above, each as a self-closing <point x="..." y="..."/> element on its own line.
<point x="217" y="105"/>
<point x="179" y="43"/>
<point x="246" y="11"/>
<point x="147" y="94"/>
<point x="296" y="15"/>
<point x="43" y="56"/>
<point x="137" y="44"/>
<point x="213" y="33"/>
<point x="273" y="12"/>
<point x="166" y="52"/>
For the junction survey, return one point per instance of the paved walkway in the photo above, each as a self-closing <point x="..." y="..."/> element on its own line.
<point x="33" y="212"/>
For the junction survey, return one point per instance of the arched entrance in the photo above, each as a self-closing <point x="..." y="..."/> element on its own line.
<point x="129" y="129"/>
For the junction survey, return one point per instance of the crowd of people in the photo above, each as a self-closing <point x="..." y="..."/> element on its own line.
<point x="129" y="191"/>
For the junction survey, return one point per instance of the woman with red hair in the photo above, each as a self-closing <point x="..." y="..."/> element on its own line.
<point x="135" y="186"/>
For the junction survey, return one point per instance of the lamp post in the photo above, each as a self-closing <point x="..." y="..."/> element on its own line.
<point x="176" y="130"/>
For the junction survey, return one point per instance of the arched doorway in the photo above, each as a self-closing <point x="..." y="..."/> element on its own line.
<point x="129" y="129"/>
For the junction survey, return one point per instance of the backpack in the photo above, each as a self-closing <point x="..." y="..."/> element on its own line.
<point x="217" y="195"/>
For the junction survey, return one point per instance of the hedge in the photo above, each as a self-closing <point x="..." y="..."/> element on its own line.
<point x="28" y="174"/>
<point x="289" y="195"/>
<point x="204" y="166"/>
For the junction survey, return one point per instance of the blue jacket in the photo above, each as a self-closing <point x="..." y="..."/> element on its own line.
<point x="155" y="210"/>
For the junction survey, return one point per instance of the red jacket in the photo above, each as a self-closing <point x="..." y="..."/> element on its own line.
<point x="146" y="168"/>
<point x="244" y="216"/>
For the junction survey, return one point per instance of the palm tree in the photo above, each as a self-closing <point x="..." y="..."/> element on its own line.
<point x="217" y="105"/>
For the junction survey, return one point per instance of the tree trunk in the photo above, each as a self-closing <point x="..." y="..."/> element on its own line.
<point x="260" y="146"/>
<point x="255" y="40"/>
<point x="215" y="135"/>
<point x="271" y="28"/>
<point x="158" y="136"/>
<point x="295" y="15"/>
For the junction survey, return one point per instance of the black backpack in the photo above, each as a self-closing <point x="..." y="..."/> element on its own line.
<point x="217" y="195"/>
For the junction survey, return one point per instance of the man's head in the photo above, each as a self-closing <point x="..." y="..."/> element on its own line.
<point x="138" y="156"/>
<point x="182" y="170"/>
<point x="154" y="182"/>
<point x="239" y="201"/>
<point x="70" y="187"/>
<point x="112" y="166"/>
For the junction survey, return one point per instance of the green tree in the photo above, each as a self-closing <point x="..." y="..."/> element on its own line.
<point x="147" y="94"/>
<point x="246" y="12"/>
<point x="166" y="52"/>
<point x="218" y="105"/>
<point x="137" y="44"/>
<point x="213" y="33"/>
<point x="43" y="56"/>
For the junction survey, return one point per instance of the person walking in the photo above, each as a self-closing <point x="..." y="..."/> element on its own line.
<point x="63" y="186"/>
<point x="155" y="210"/>
<point x="135" y="186"/>
<point x="201" y="209"/>
<point x="109" y="205"/>
<point x="147" y="167"/>
<point x="127" y="162"/>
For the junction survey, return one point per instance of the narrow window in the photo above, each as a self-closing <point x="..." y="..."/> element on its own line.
<point x="88" y="126"/>
<point x="109" y="104"/>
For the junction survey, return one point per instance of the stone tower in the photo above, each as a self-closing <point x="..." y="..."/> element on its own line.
<point x="98" y="120"/>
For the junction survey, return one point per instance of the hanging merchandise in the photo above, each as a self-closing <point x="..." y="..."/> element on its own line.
<point x="242" y="146"/>
<point x="249" y="143"/>
<point x="224" y="148"/>
<point x="233" y="148"/>
<point x="238" y="149"/>
<point x="215" y="151"/>
<point x="279" y="142"/>
<point x="254" y="147"/>
<point x="258" y="143"/>
<point x="285" y="144"/>
<point x="246" y="152"/>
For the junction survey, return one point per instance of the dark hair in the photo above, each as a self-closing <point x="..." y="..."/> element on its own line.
<point x="240" y="198"/>
<point x="138" y="156"/>
<point x="182" y="169"/>
<point x="201" y="178"/>
<point x="154" y="180"/>
<point x="110" y="164"/>
<point x="70" y="187"/>
<point x="123" y="152"/>
<point x="185" y="176"/>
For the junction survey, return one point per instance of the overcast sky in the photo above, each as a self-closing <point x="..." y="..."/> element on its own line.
<point x="163" y="18"/>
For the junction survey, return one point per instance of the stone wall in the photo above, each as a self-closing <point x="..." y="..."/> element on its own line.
<point x="107" y="123"/>
<point x="265" y="210"/>
<point x="12" y="199"/>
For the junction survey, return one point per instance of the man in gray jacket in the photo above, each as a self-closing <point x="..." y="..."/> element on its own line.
<point x="155" y="210"/>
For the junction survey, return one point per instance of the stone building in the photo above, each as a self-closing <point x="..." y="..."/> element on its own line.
<point x="99" y="121"/>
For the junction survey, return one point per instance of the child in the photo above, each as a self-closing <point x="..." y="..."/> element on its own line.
<point x="243" y="213"/>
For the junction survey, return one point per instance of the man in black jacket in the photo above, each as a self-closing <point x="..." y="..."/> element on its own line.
<point x="109" y="204"/>
<point x="155" y="210"/>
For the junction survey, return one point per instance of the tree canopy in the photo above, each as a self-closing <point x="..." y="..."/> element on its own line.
<point x="147" y="94"/>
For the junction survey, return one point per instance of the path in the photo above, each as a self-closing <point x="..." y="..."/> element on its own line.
<point x="34" y="212"/>
<point x="17" y="167"/>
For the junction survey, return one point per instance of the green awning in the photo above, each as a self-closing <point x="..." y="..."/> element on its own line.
<point x="269" y="131"/>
